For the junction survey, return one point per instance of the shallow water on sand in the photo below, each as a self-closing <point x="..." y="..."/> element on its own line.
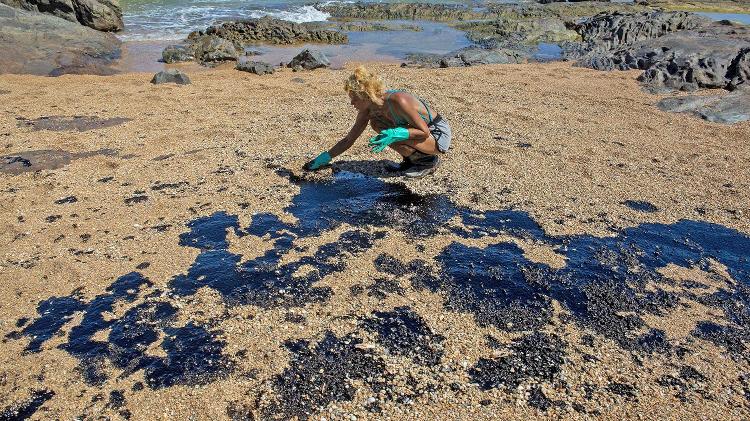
<point x="380" y="46"/>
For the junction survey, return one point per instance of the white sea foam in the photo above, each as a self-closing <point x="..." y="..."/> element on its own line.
<point x="168" y="23"/>
<point x="302" y="14"/>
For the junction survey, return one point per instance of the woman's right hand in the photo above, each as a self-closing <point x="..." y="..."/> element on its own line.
<point x="320" y="161"/>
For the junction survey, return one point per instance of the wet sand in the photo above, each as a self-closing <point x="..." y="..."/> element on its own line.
<point x="565" y="147"/>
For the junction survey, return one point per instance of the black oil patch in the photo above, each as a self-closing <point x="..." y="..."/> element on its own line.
<point x="25" y="409"/>
<point x="623" y="389"/>
<point x="607" y="285"/>
<point x="490" y="284"/>
<point x="324" y="373"/>
<point x="603" y="284"/>
<point x="48" y="159"/>
<point x="539" y="400"/>
<point x="383" y="287"/>
<point x="388" y="264"/>
<point x="194" y="355"/>
<point x="537" y="356"/>
<point x="263" y="281"/>
<point x="171" y="186"/>
<point x="641" y="206"/>
<point x="686" y="381"/>
<point x="75" y="123"/>
<point x="403" y="332"/>
<point x="358" y="200"/>
<point x="734" y="301"/>
<point x="136" y="199"/>
<point x="68" y="199"/>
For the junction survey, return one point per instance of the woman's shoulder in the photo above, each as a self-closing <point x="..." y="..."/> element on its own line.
<point x="397" y="96"/>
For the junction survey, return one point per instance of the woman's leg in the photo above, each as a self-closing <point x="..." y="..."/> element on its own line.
<point x="405" y="148"/>
<point x="428" y="146"/>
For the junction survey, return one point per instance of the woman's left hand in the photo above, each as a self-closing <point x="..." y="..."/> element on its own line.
<point x="388" y="136"/>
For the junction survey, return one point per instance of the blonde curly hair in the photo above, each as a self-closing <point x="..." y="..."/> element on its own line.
<point x="366" y="84"/>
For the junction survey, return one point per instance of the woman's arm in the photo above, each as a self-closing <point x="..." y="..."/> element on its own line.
<point x="360" y="124"/>
<point x="418" y="130"/>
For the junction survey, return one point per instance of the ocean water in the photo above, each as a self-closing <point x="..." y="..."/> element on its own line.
<point x="151" y="25"/>
<point x="174" y="19"/>
<point x="736" y="17"/>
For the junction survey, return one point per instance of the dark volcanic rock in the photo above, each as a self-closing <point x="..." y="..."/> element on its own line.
<point x="471" y="56"/>
<point x="273" y="31"/>
<point x="614" y="29"/>
<point x="369" y="26"/>
<point x="171" y="76"/>
<point x="425" y="11"/>
<point x="730" y="108"/>
<point x="257" y="67"/>
<point x="177" y="53"/>
<point x="102" y="15"/>
<point x="512" y="32"/>
<point x="227" y="40"/>
<point x="209" y="48"/>
<point x="684" y="52"/>
<point x="65" y="47"/>
<point x="310" y="60"/>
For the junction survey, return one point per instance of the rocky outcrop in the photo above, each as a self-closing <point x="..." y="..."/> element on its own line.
<point x="711" y="56"/>
<point x="677" y="51"/>
<point x="178" y="53"/>
<point x="271" y="31"/>
<point x="170" y="76"/>
<point x="567" y="12"/>
<point x="610" y="30"/>
<point x="256" y="67"/>
<point x="102" y="15"/>
<point x="34" y="43"/>
<point x="370" y="26"/>
<point x="727" y="108"/>
<point x="508" y="32"/>
<point x="400" y="11"/>
<point x="309" y="60"/>
<point x="228" y="41"/>
<point x="211" y="48"/>
<point x="472" y="56"/>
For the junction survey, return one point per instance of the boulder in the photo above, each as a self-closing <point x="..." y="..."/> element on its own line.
<point x="257" y="67"/>
<point x="477" y="56"/>
<point x="170" y="76"/>
<point x="730" y="108"/>
<point x="102" y="15"/>
<point x="471" y="56"/>
<point x="309" y="60"/>
<point x="177" y="53"/>
<point x="41" y="44"/>
<point x="210" y="48"/>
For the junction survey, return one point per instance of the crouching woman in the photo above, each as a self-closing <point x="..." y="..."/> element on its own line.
<point x="404" y="122"/>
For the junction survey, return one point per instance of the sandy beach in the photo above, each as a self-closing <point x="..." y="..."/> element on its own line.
<point x="575" y="150"/>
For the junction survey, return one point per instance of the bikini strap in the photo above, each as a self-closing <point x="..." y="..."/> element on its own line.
<point x="393" y="114"/>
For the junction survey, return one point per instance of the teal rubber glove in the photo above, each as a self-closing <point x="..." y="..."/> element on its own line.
<point x="320" y="161"/>
<point x="388" y="136"/>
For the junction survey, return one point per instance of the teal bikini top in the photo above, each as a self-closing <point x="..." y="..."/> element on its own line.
<point x="400" y="121"/>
